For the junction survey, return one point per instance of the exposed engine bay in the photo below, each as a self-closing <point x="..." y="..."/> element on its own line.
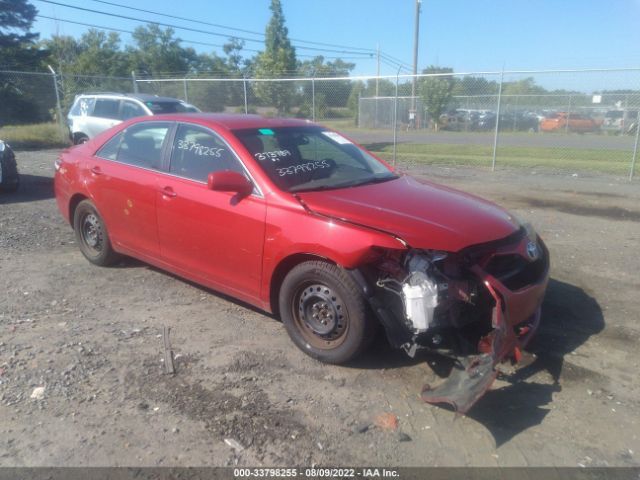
<point x="479" y="306"/>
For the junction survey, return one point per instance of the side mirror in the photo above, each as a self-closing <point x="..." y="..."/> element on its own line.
<point x="229" y="181"/>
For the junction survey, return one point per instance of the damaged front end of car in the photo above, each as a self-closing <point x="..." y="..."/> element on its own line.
<point x="479" y="306"/>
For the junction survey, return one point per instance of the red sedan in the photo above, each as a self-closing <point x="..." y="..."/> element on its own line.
<point x="300" y="221"/>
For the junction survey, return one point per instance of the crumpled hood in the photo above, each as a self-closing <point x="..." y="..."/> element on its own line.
<point x="425" y="215"/>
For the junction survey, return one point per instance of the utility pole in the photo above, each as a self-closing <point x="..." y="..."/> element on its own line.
<point x="378" y="70"/>
<point x="376" y="100"/>
<point x="416" y="30"/>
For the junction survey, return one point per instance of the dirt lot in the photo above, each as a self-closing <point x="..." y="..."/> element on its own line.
<point x="92" y="338"/>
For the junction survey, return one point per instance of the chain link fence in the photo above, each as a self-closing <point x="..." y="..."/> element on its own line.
<point x="583" y="120"/>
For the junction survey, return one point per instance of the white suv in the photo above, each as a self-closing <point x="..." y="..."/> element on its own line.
<point x="93" y="113"/>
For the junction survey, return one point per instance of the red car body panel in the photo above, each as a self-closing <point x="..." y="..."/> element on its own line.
<point x="424" y="215"/>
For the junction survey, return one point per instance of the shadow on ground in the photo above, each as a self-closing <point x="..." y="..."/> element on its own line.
<point x="32" y="188"/>
<point x="569" y="317"/>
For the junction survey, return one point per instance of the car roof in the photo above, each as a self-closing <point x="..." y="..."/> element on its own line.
<point x="232" y="121"/>
<point x="143" y="97"/>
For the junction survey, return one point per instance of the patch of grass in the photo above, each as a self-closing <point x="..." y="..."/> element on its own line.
<point x="34" y="137"/>
<point x="609" y="161"/>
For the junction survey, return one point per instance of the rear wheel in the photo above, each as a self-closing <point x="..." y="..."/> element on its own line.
<point x="92" y="235"/>
<point x="325" y="312"/>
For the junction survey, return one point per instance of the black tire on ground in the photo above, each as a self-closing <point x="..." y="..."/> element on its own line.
<point x="10" y="177"/>
<point x="92" y="235"/>
<point x="325" y="313"/>
<point x="80" y="138"/>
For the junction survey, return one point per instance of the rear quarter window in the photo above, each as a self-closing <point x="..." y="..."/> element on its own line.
<point x="83" y="107"/>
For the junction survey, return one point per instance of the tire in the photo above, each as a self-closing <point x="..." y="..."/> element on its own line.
<point x="92" y="235"/>
<point x="10" y="179"/>
<point x="80" y="138"/>
<point x="325" y="313"/>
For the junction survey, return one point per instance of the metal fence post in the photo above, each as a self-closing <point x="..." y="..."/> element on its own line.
<point x="495" y="135"/>
<point x="395" y="120"/>
<point x="313" y="95"/>
<point x="566" y="127"/>
<point x="184" y="87"/>
<point x="635" y="148"/>
<point x="58" y="106"/>
<point x="135" y="82"/>
<point x="244" y="86"/>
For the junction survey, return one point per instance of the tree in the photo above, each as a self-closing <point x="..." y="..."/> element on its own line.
<point x="277" y="61"/>
<point x="20" y="102"/>
<point x="158" y="52"/>
<point x="436" y="92"/>
<point x="100" y="54"/>
<point x="16" y="18"/>
<point x="335" y="92"/>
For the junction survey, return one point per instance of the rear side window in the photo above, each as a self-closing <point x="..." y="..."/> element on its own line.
<point x="197" y="152"/>
<point x="110" y="149"/>
<point x="106" y="108"/>
<point x="131" y="110"/>
<point x="142" y="144"/>
<point x="158" y="107"/>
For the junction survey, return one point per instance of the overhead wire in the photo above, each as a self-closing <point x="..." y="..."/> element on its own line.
<point x="253" y="32"/>
<point x="178" y="27"/>
<point x="194" y="42"/>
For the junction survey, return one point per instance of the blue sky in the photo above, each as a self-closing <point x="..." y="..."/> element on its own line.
<point x="468" y="35"/>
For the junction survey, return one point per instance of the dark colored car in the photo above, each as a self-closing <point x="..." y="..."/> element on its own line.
<point x="514" y="121"/>
<point x="298" y="220"/>
<point x="9" y="177"/>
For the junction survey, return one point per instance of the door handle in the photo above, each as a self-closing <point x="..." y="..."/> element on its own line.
<point x="168" y="192"/>
<point x="96" y="171"/>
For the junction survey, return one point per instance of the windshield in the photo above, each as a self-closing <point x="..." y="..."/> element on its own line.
<point x="309" y="158"/>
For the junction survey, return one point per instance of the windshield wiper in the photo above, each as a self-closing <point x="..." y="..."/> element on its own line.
<point x="349" y="184"/>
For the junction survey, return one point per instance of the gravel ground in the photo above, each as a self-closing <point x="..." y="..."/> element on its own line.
<point x="91" y="339"/>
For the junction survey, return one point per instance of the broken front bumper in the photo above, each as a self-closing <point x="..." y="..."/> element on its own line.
<point x="515" y="319"/>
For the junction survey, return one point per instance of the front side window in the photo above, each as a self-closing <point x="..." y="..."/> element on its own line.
<point x="142" y="144"/>
<point x="310" y="158"/>
<point x="106" y="108"/>
<point x="197" y="152"/>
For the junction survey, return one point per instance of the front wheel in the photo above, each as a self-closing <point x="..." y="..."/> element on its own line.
<point x="92" y="236"/>
<point x="325" y="312"/>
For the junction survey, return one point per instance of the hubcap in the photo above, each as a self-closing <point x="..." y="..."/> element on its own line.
<point x="321" y="316"/>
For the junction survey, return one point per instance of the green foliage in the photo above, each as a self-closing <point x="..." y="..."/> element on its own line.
<point x="277" y="61"/>
<point x="19" y="52"/>
<point x="336" y="92"/>
<point x="35" y="136"/>
<point x="16" y="18"/>
<point x="569" y="159"/>
<point x="158" y="52"/>
<point x="436" y="92"/>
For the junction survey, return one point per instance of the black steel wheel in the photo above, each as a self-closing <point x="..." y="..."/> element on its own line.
<point x="325" y="312"/>
<point x="92" y="236"/>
